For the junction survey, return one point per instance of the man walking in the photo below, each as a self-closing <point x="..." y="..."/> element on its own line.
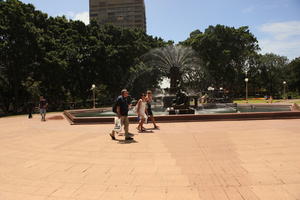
<point x="122" y="107"/>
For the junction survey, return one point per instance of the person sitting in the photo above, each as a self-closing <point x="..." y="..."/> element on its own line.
<point x="204" y="98"/>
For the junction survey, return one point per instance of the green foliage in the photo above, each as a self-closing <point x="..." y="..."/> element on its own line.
<point x="224" y="51"/>
<point x="230" y="55"/>
<point x="18" y="46"/>
<point x="143" y="77"/>
<point x="60" y="59"/>
<point x="293" y="75"/>
<point x="271" y="73"/>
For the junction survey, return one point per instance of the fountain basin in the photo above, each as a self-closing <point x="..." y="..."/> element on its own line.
<point x="243" y="112"/>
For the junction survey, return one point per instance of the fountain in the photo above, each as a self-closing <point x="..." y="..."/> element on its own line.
<point x="173" y="61"/>
<point x="175" y="104"/>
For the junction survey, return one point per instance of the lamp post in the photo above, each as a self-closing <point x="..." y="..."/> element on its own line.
<point x="246" y="80"/>
<point x="284" y="88"/>
<point x="222" y="91"/>
<point x="94" y="102"/>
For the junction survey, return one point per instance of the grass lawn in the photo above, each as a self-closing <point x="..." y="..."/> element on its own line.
<point x="298" y="102"/>
<point x="264" y="101"/>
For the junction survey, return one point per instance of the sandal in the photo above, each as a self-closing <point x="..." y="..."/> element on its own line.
<point x="112" y="136"/>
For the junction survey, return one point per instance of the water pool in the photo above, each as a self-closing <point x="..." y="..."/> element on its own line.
<point x="227" y="109"/>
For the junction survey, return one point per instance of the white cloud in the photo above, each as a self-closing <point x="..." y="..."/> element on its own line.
<point x="83" y="16"/>
<point x="281" y="38"/>
<point x="70" y="14"/>
<point x="284" y="48"/>
<point x="282" y="30"/>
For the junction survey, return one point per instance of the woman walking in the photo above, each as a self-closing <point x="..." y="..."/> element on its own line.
<point x="149" y="109"/>
<point x="141" y="111"/>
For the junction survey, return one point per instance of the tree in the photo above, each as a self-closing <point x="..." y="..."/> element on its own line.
<point x="224" y="51"/>
<point x="293" y="75"/>
<point x="272" y="70"/>
<point x="19" y="44"/>
<point x="60" y="59"/>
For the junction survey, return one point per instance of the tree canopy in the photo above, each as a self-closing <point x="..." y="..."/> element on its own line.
<point x="61" y="59"/>
<point x="224" y="51"/>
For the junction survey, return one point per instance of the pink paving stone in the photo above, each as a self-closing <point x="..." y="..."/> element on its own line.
<point x="231" y="160"/>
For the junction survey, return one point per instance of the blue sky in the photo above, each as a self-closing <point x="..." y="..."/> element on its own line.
<point x="275" y="23"/>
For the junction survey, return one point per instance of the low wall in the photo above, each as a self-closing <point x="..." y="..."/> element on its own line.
<point x="189" y="117"/>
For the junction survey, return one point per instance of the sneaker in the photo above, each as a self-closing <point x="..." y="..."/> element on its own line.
<point x="130" y="134"/>
<point x="128" y="138"/>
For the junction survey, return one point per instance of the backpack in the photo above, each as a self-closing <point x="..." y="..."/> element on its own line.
<point x="114" y="107"/>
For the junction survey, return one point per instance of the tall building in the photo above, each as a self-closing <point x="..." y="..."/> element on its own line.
<point x="122" y="13"/>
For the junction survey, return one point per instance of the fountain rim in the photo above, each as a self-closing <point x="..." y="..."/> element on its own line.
<point x="293" y="114"/>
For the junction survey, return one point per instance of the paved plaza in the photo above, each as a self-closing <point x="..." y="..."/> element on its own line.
<point x="230" y="160"/>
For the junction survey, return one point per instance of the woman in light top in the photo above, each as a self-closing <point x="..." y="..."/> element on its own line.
<point x="142" y="112"/>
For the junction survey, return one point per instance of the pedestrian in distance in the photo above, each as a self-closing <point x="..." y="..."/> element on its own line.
<point x="43" y="108"/>
<point x="30" y="109"/>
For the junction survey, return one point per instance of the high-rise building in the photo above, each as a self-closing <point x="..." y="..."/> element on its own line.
<point x="122" y="13"/>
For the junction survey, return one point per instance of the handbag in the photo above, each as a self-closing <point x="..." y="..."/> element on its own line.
<point x="117" y="124"/>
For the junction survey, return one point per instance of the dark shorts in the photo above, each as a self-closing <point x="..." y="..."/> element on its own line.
<point x="150" y="112"/>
